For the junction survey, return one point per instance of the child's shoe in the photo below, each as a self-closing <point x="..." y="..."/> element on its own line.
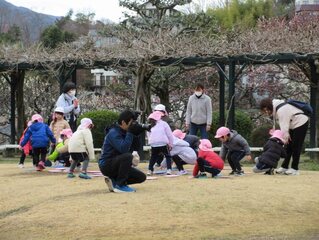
<point x="41" y="165"/>
<point x="20" y="165"/>
<point x="201" y="176"/>
<point x="38" y="168"/>
<point x="149" y="173"/>
<point x="182" y="172"/>
<point x="281" y="170"/>
<point x="84" y="176"/>
<point x="270" y="172"/>
<point x="71" y="175"/>
<point x="239" y="173"/>
<point x="169" y="172"/>
<point x="232" y="172"/>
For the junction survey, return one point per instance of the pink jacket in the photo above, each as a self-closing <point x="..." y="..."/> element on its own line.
<point x="160" y="135"/>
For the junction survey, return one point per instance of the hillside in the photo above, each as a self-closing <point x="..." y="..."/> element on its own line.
<point x="31" y="23"/>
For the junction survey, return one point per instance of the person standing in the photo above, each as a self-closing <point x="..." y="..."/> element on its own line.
<point x="199" y="112"/>
<point x="116" y="158"/>
<point x="70" y="104"/>
<point x="294" y="123"/>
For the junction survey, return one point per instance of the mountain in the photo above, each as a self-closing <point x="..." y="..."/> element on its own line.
<point x="30" y="23"/>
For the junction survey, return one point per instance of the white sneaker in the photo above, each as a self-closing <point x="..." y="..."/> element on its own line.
<point x="169" y="172"/>
<point x="149" y="173"/>
<point x="292" y="171"/>
<point x="21" y="165"/>
<point x="182" y="172"/>
<point x="281" y="170"/>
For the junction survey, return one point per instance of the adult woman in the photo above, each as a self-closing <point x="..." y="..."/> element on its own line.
<point x="294" y="123"/>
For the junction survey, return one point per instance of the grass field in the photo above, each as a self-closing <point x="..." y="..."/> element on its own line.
<point x="43" y="205"/>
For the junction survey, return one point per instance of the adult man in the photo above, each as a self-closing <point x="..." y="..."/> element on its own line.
<point x="199" y="112"/>
<point x="116" y="159"/>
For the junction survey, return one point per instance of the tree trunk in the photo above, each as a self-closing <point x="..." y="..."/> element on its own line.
<point x="21" y="118"/>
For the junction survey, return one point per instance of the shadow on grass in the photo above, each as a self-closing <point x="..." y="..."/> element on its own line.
<point x="14" y="211"/>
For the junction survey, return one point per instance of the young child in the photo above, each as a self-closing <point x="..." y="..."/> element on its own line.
<point x="161" y="140"/>
<point x="193" y="140"/>
<point x="207" y="161"/>
<point x="81" y="148"/>
<point x="61" y="152"/>
<point x="58" y="123"/>
<point x="41" y="136"/>
<point x="274" y="149"/>
<point x="235" y="147"/>
<point x="27" y="149"/>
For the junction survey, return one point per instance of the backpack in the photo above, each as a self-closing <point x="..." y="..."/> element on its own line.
<point x="305" y="107"/>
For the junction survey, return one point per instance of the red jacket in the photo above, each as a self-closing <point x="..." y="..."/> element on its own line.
<point x="26" y="148"/>
<point x="210" y="156"/>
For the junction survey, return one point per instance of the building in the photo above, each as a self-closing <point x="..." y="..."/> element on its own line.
<point x="307" y="7"/>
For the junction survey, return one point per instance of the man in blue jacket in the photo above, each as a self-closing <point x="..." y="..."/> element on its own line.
<point x="116" y="158"/>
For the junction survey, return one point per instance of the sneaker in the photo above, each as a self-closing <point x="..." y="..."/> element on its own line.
<point x="149" y="173"/>
<point x="269" y="172"/>
<point x="281" y="170"/>
<point x="217" y="176"/>
<point x="182" y="172"/>
<point x="169" y="172"/>
<point x="109" y="183"/>
<point x="41" y="165"/>
<point x="84" y="176"/>
<point x="232" y="172"/>
<point x="292" y="171"/>
<point x="201" y="176"/>
<point x="20" y="165"/>
<point x="71" y="175"/>
<point x="125" y="188"/>
<point x="239" y="173"/>
<point x="38" y="168"/>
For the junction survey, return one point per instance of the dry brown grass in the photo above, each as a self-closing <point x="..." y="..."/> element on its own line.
<point x="50" y="206"/>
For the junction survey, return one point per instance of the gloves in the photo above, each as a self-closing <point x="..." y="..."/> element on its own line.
<point x="136" y="159"/>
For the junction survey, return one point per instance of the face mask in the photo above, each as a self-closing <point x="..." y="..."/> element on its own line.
<point x="72" y="93"/>
<point x="198" y="93"/>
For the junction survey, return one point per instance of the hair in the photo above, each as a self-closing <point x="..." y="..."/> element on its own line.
<point x="68" y="86"/>
<point x="266" y="103"/>
<point x="126" y="116"/>
<point x="199" y="86"/>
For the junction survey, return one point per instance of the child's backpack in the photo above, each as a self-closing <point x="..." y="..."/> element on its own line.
<point x="305" y="107"/>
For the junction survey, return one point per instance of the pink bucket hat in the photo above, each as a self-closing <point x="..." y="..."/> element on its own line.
<point x="37" y="117"/>
<point x="179" y="134"/>
<point x="67" y="132"/>
<point x="155" y="115"/>
<point x="205" y="145"/>
<point x="86" y="122"/>
<point x="278" y="134"/>
<point x="221" y="132"/>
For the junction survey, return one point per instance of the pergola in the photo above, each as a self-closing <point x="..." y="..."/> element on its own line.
<point x="238" y="62"/>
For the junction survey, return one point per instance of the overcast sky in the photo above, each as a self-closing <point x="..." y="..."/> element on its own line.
<point x="103" y="9"/>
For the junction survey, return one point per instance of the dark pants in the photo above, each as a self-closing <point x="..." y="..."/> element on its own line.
<point x="39" y="154"/>
<point x="77" y="158"/>
<point x="201" y="127"/>
<point x="294" y="147"/>
<point x="157" y="153"/>
<point x="204" y="166"/>
<point x="179" y="162"/>
<point x="234" y="158"/>
<point x="23" y="156"/>
<point x="65" y="159"/>
<point x="121" y="171"/>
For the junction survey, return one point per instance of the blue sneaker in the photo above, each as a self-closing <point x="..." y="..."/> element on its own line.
<point x="125" y="188"/>
<point x="84" y="176"/>
<point x="110" y="184"/>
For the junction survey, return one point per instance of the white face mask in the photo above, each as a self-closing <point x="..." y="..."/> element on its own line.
<point x="72" y="93"/>
<point x="198" y="93"/>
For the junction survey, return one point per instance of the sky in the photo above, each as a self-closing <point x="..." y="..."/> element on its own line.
<point x="103" y="9"/>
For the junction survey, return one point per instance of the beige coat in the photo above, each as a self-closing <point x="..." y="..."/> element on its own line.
<point x="82" y="141"/>
<point x="57" y="127"/>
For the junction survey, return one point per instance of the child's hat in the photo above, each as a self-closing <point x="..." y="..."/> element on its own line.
<point x="221" y="132"/>
<point x="155" y="115"/>
<point x="59" y="110"/>
<point x="67" y="132"/>
<point x="278" y="134"/>
<point x="179" y="134"/>
<point x="205" y="145"/>
<point x="86" y="122"/>
<point x="160" y="107"/>
<point x="37" y="117"/>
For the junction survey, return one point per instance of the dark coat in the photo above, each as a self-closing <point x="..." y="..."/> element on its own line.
<point x="273" y="150"/>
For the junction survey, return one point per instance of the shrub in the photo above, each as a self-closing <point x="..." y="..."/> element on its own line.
<point x="243" y="125"/>
<point x="101" y="119"/>
<point x="260" y="135"/>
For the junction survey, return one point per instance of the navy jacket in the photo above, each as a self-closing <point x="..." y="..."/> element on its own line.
<point x="40" y="135"/>
<point x="116" y="142"/>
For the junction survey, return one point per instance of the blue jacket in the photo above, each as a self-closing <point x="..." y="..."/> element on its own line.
<point x="40" y="135"/>
<point x="116" y="142"/>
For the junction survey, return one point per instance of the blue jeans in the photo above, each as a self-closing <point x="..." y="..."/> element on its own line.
<point x="201" y="127"/>
<point x="261" y="167"/>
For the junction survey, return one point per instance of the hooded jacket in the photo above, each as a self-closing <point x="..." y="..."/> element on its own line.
<point x="272" y="152"/>
<point x="41" y="135"/>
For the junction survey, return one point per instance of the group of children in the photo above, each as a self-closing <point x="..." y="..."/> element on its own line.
<point x="65" y="145"/>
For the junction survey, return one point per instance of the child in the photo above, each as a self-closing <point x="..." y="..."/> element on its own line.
<point x="81" y="148"/>
<point x="41" y="136"/>
<point x="61" y="152"/>
<point x="274" y="149"/>
<point x="207" y="161"/>
<point x="193" y="140"/>
<point x="27" y="149"/>
<point x="58" y="123"/>
<point x="161" y="140"/>
<point x="235" y="147"/>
